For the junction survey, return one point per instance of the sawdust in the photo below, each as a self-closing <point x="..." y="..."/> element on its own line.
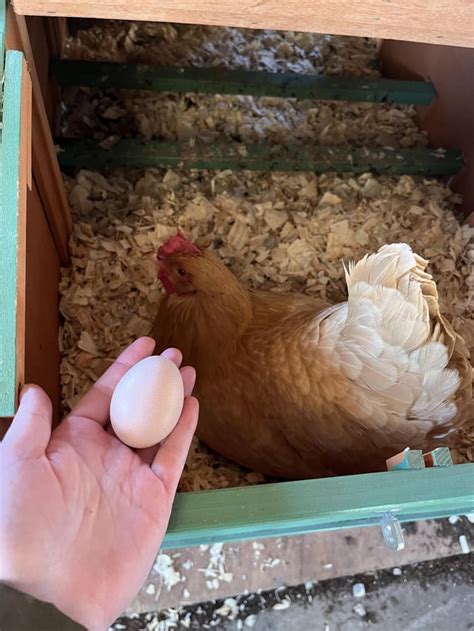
<point x="236" y="48"/>
<point x="110" y="294"/>
<point x="285" y="232"/>
<point x="109" y="114"/>
<point x="215" y="572"/>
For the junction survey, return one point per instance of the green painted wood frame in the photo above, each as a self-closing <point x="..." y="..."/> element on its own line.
<point x="289" y="508"/>
<point x="9" y="223"/>
<point x="258" y="157"/>
<point x="223" y="81"/>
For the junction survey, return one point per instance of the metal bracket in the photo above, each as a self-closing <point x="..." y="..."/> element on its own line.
<point x="392" y="531"/>
<point x="409" y="459"/>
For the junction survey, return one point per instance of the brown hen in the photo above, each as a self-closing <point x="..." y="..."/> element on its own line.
<point x="295" y="388"/>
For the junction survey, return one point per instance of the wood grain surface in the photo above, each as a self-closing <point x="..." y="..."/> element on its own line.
<point x="436" y="21"/>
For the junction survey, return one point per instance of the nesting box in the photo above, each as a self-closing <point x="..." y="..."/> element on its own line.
<point x="35" y="224"/>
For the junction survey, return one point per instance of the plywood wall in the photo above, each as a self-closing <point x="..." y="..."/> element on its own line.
<point x="42" y="302"/>
<point x="449" y="121"/>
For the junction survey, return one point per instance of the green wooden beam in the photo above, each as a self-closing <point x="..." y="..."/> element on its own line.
<point x="223" y="81"/>
<point x="286" y="508"/>
<point x="9" y="208"/>
<point x="258" y="157"/>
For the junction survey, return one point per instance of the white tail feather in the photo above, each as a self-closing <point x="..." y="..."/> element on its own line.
<point x="387" y="343"/>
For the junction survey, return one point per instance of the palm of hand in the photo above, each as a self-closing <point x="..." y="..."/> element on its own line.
<point x="95" y="515"/>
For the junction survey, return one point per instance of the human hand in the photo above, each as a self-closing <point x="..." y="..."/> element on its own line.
<point x="82" y="515"/>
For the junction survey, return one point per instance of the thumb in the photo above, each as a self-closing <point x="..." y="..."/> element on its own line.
<point x="30" y="430"/>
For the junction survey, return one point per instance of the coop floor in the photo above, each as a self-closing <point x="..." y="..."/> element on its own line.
<point x="434" y="594"/>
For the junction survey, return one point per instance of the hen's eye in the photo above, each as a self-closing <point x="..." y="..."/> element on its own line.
<point x="181" y="271"/>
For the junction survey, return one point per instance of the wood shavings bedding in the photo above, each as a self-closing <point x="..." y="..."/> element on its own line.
<point x="244" y="119"/>
<point x="118" y="113"/>
<point x="297" y="228"/>
<point x="286" y="232"/>
<point x="209" y="46"/>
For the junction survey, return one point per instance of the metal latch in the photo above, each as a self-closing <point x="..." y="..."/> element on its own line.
<point x="392" y="531"/>
<point x="409" y="459"/>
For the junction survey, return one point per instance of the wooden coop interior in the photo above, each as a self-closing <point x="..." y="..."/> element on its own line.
<point x="426" y="54"/>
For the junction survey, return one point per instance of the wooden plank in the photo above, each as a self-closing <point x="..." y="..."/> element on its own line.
<point x="43" y="357"/>
<point x="15" y="172"/>
<point x="268" y="564"/>
<point x="286" y="508"/>
<point x="56" y="33"/>
<point x="3" y="24"/>
<point x="437" y="21"/>
<point x="258" y="157"/>
<point x="45" y="164"/>
<point x="222" y="81"/>
<point x="45" y="35"/>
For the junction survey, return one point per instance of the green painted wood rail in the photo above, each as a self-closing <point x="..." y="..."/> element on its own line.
<point x="261" y="157"/>
<point x="223" y="81"/>
<point x="258" y="157"/>
<point x="9" y="208"/>
<point x="290" y="508"/>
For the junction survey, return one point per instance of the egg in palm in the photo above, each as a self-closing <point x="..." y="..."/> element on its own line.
<point x="147" y="402"/>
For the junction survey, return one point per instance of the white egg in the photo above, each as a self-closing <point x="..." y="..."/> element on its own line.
<point x="147" y="402"/>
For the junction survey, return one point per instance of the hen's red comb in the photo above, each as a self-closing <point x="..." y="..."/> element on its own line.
<point x="178" y="244"/>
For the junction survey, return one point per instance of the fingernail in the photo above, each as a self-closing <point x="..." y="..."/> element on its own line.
<point x="25" y="391"/>
<point x="147" y="338"/>
<point x="170" y="351"/>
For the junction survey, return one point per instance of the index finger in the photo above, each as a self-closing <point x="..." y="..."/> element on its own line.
<point x="95" y="403"/>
